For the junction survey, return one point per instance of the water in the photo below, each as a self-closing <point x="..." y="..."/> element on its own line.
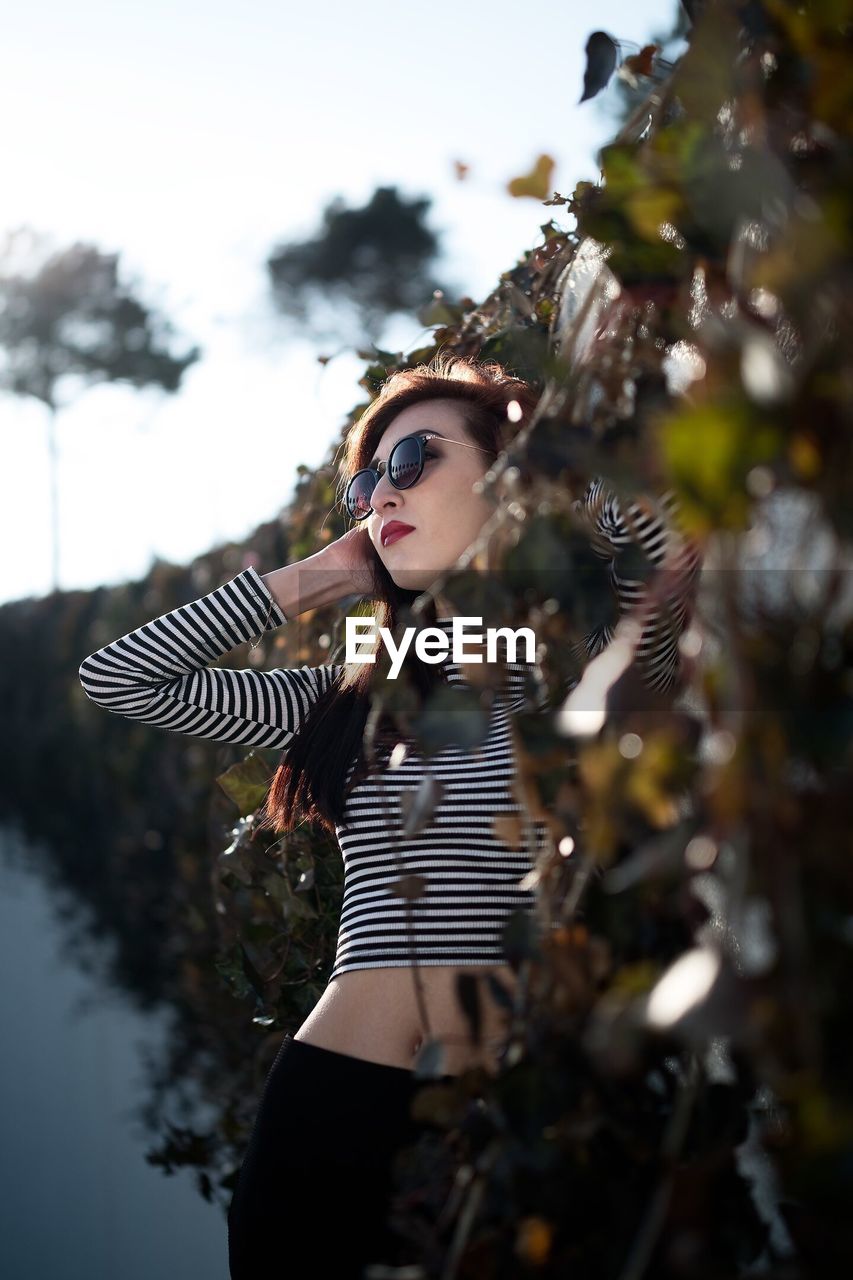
<point x="77" y="1199"/>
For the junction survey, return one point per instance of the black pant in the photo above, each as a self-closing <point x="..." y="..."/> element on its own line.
<point x="313" y="1192"/>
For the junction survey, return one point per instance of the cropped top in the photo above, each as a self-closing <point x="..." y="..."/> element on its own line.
<point x="469" y="878"/>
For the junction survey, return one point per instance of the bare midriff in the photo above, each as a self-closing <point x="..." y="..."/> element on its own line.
<point x="375" y="1014"/>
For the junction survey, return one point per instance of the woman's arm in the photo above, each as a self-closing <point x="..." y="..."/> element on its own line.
<point x="636" y="543"/>
<point x="340" y="569"/>
<point x="159" y="674"/>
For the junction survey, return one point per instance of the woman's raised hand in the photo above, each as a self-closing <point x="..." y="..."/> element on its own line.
<point x="343" y="568"/>
<point x="353" y="555"/>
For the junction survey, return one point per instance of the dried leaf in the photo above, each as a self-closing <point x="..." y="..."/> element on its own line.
<point x="642" y="63"/>
<point x="410" y="887"/>
<point x="507" y="828"/>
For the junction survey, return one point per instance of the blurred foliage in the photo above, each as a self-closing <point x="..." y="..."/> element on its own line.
<point x="675" y="1096"/>
<point x="67" y="313"/>
<point x="124" y="820"/>
<point x="377" y="259"/>
<point x="674" y="1092"/>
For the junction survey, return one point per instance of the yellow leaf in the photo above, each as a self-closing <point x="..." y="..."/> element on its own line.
<point x="710" y="449"/>
<point x="536" y="183"/>
<point x="650" y="207"/>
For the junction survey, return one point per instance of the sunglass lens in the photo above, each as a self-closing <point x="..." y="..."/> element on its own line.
<point x="359" y="493"/>
<point x="405" y="462"/>
<point x="405" y="466"/>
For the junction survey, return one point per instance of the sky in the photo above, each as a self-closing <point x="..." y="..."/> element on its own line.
<point x="191" y="139"/>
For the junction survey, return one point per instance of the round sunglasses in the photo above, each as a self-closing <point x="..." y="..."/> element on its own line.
<point x="405" y="467"/>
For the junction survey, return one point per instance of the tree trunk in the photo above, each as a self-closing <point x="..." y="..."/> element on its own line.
<point x="54" y="496"/>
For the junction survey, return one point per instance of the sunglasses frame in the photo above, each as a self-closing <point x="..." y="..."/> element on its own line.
<point x="421" y="437"/>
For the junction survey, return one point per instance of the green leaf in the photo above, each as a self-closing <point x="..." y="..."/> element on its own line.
<point x="440" y="311"/>
<point x="539" y="563"/>
<point x="710" y="449"/>
<point x="291" y="904"/>
<point x="251" y="974"/>
<point x="246" y="783"/>
<point x="525" y="352"/>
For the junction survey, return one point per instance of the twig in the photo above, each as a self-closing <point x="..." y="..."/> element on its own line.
<point x="650" y="1227"/>
<point x="465" y="1221"/>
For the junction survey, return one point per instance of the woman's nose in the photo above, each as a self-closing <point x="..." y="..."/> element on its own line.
<point x="384" y="493"/>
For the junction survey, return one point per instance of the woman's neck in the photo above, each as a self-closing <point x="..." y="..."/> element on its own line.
<point x="444" y="609"/>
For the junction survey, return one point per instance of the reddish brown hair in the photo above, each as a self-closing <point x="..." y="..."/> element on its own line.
<point x="310" y="781"/>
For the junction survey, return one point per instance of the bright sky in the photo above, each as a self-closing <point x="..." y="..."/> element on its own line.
<point x="192" y="137"/>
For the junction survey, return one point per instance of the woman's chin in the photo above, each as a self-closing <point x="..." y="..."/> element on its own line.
<point x="414" y="579"/>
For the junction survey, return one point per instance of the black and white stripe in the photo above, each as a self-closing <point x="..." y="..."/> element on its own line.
<point x="158" y="674"/>
<point x="650" y="532"/>
<point x="471" y="877"/>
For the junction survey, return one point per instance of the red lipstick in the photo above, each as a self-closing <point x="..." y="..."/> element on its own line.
<point x="394" y="530"/>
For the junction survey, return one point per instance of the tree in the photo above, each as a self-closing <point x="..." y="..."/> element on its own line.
<point x="67" y="315"/>
<point x="377" y="259"/>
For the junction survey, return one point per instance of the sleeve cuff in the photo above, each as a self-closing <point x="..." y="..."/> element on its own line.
<point x="267" y="603"/>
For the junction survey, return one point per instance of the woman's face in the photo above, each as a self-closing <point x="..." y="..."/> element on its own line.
<point x="441" y="507"/>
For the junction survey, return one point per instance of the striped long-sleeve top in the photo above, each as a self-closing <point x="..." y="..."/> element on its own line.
<point x="468" y="865"/>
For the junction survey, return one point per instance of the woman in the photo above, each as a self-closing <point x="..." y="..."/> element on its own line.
<point x="337" y="1101"/>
